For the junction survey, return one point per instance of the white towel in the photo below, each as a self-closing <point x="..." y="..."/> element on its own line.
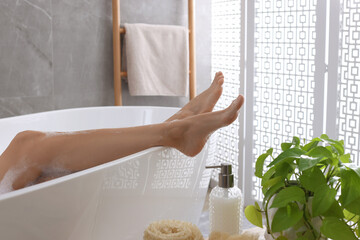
<point x="157" y="59"/>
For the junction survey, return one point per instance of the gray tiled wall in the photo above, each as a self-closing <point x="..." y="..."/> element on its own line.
<point x="57" y="54"/>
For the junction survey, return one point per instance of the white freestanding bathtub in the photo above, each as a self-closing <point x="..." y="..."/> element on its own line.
<point x="116" y="200"/>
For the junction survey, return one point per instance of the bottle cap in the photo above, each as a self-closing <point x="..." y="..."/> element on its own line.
<point x="226" y="178"/>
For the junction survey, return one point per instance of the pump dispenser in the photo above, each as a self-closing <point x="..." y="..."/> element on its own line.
<point x="226" y="203"/>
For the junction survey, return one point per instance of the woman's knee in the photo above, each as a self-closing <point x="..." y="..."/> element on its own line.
<point x="28" y="137"/>
<point x="20" y="156"/>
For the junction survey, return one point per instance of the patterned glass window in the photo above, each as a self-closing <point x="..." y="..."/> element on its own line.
<point x="292" y="42"/>
<point x="284" y="66"/>
<point x="226" y="30"/>
<point x="349" y="78"/>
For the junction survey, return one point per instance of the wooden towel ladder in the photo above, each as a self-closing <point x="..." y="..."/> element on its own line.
<point x="117" y="30"/>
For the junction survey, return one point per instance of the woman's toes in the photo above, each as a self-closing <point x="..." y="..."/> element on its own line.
<point x="238" y="102"/>
<point x="219" y="75"/>
<point x="218" y="80"/>
<point x="232" y="112"/>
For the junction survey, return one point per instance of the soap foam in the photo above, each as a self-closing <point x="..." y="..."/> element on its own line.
<point x="50" y="134"/>
<point x="7" y="182"/>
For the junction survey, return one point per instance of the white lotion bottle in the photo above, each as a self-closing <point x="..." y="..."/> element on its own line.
<point x="226" y="204"/>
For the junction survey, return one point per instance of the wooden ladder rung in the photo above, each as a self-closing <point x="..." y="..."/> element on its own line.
<point x="123" y="74"/>
<point x="123" y="31"/>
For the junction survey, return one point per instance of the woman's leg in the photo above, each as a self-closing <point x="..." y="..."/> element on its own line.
<point x="31" y="153"/>
<point x="203" y="103"/>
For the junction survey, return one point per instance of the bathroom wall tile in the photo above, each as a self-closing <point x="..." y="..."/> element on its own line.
<point x="62" y="49"/>
<point x="25" y="48"/>
<point x="82" y="53"/>
<point x="154" y="12"/>
<point x="24" y="105"/>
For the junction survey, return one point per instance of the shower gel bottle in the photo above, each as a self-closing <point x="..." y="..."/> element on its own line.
<point x="226" y="204"/>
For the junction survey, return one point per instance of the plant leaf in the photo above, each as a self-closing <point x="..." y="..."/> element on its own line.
<point x="297" y="226"/>
<point x="336" y="229"/>
<point x="324" y="197"/>
<point x="334" y="211"/>
<point x="271" y="182"/>
<point x="257" y="206"/>
<point x="253" y="214"/>
<point x="271" y="191"/>
<point x="289" y="154"/>
<point x="307" y="235"/>
<point x="283" y="169"/>
<point x="311" y="144"/>
<point x="260" y="164"/>
<point x="324" y="136"/>
<point x="345" y="158"/>
<point x="306" y="162"/>
<point x="354" y="206"/>
<point x="350" y="190"/>
<point x="270" y="151"/>
<point x="285" y="146"/>
<point x="281" y="238"/>
<point x="351" y="216"/>
<point x="337" y="145"/>
<point x="320" y="151"/>
<point x="287" y="195"/>
<point x="332" y="161"/>
<point x="296" y="141"/>
<point x="267" y="175"/>
<point x="312" y="178"/>
<point x="353" y="167"/>
<point x="284" y="218"/>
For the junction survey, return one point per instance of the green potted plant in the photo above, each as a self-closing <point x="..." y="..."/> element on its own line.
<point x="311" y="191"/>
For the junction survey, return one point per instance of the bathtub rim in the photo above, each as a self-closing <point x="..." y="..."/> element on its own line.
<point x="86" y="108"/>
<point x="68" y="177"/>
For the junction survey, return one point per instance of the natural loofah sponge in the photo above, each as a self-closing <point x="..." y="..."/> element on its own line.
<point x="172" y="230"/>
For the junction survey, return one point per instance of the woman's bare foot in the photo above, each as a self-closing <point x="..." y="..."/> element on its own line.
<point x="189" y="135"/>
<point x="204" y="102"/>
